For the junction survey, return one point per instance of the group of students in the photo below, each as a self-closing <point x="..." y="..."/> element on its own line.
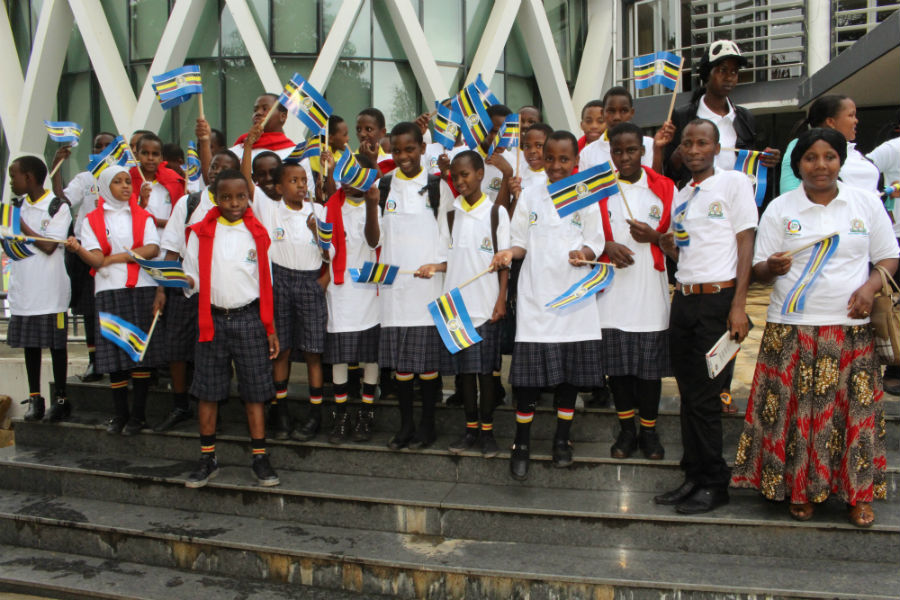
<point x="262" y="291"/>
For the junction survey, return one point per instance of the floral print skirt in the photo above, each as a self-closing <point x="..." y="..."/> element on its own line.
<point x="814" y="425"/>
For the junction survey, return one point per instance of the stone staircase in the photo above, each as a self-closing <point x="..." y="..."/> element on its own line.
<point x="86" y="514"/>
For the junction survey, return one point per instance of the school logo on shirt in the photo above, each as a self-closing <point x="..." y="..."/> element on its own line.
<point x="576" y="220"/>
<point x="486" y="245"/>
<point x="432" y="163"/>
<point x="278" y="234"/>
<point x="391" y="205"/>
<point x="251" y="255"/>
<point x="858" y="226"/>
<point x="95" y="189"/>
<point x="715" y="211"/>
<point x="532" y="218"/>
<point x="792" y="227"/>
<point x="654" y="213"/>
<point x="495" y="184"/>
<point x="45" y="224"/>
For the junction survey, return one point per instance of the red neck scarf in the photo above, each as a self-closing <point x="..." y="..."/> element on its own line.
<point x="206" y="232"/>
<point x="166" y="177"/>
<point x="269" y="140"/>
<point x="334" y="216"/>
<point x="663" y="188"/>
<point x="139" y="218"/>
<point x="582" y="142"/>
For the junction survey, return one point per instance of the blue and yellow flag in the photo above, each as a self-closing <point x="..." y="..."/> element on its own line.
<point x="485" y="92"/>
<point x="123" y="334"/>
<point x="453" y="321"/>
<point x="305" y="102"/>
<point x="167" y="273"/>
<point x="177" y="86"/>
<point x="350" y="172"/>
<point x="16" y="250"/>
<point x="596" y="281"/>
<point x="659" y="67"/>
<point x="307" y="148"/>
<point x="192" y="162"/>
<point x="821" y="253"/>
<point x="10" y="218"/>
<point x="375" y="273"/>
<point x="324" y="232"/>
<point x="117" y="153"/>
<point x="508" y="136"/>
<point x="682" y="237"/>
<point x="583" y="189"/>
<point x="469" y="108"/>
<point x="747" y="162"/>
<point x="66" y="132"/>
<point x="446" y="129"/>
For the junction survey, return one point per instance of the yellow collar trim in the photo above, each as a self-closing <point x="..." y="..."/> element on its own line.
<point x="225" y="221"/>
<point x="212" y="198"/>
<point x="30" y="201"/>
<point x="352" y="203"/>
<point x="400" y="174"/>
<point x="467" y="208"/>
<point x="541" y="170"/>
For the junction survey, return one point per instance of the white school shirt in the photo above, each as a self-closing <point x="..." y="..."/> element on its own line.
<point x="82" y="193"/>
<point x="159" y="205"/>
<point x="792" y="220"/>
<point x="490" y="185"/>
<point x="294" y="246"/>
<point x="193" y="186"/>
<point x="353" y="306"/>
<point x="430" y="158"/>
<point x="234" y="272"/>
<point x="532" y="178"/>
<point x="173" y="235"/>
<point x="724" y="207"/>
<point x="39" y="285"/>
<point x="887" y="159"/>
<point x="546" y="272"/>
<point x="727" y="134"/>
<point x="858" y="171"/>
<point x="598" y="152"/>
<point x="410" y="240"/>
<point x="118" y="232"/>
<point x="638" y="298"/>
<point x="470" y="251"/>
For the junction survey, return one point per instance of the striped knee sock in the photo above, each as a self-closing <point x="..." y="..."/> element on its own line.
<point x="315" y="400"/>
<point x="208" y="444"/>
<point x="626" y="419"/>
<point x="258" y="446"/>
<point x="340" y="398"/>
<point x="368" y="393"/>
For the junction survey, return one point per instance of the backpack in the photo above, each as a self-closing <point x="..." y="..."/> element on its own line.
<point x="433" y="187"/>
<point x="495" y="220"/>
<point x="193" y="201"/>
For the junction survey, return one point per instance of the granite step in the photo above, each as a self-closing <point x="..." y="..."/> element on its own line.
<point x="593" y="468"/>
<point x="483" y="511"/>
<point x="418" y="565"/>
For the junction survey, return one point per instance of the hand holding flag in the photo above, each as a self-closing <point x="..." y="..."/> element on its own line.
<point x="508" y="136"/>
<point x="349" y="171"/>
<point x="446" y="129"/>
<point x="125" y="335"/>
<point x="117" y="153"/>
<point x="597" y="280"/>
<point x="453" y="321"/>
<point x="303" y="101"/>
<point x="748" y="162"/>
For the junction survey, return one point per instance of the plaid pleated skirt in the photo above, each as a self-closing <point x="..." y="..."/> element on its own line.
<point x="546" y="365"/>
<point x="410" y="349"/>
<point x="300" y="310"/>
<point x="644" y="354"/>
<point x="38" y="331"/>
<point x="135" y="305"/>
<point x="483" y="357"/>
<point x="181" y="325"/>
<point x="348" y="347"/>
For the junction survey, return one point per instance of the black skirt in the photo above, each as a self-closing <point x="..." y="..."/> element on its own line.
<point x="481" y="358"/>
<point x="410" y="349"/>
<point x="38" y="331"/>
<point x="546" y="365"/>
<point x="644" y="354"/>
<point x="348" y="347"/>
<point x="134" y="305"/>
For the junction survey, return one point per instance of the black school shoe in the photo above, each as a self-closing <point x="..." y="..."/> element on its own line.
<point x="518" y="462"/>
<point x="649" y="443"/>
<point x="365" y="422"/>
<point x="35" y="410"/>
<point x="178" y="415"/>
<point x="422" y="438"/>
<point x="264" y="472"/>
<point x="626" y="444"/>
<point x="703" y="500"/>
<point x="562" y="454"/>
<point x="60" y="410"/>
<point x="489" y="447"/>
<point x="309" y="430"/>
<point x="115" y="424"/>
<point x="468" y="439"/>
<point x="279" y="420"/>
<point x="340" y="431"/>
<point x="208" y="469"/>
<point x="133" y="427"/>
<point x="678" y="495"/>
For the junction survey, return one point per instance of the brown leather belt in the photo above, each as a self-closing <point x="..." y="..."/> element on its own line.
<point x="691" y="289"/>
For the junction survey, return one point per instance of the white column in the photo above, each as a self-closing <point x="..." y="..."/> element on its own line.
<point x="597" y="61"/>
<point x="818" y="35"/>
<point x="11" y="75"/>
<point x="493" y="40"/>
<point x="417" y="50"/>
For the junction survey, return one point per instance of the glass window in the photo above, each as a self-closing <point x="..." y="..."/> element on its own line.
<point x="350" y="91"/>
<point x="558" y="16"/>
<point x="477" y="14"/>
<point x="519" y="92"/>
<point x="242" y="88"/>
<point x="147" y="21"/>
<point x="385" y="41"/>
<point x="360" y="41"/>
<point x="286" y="67"/>
<point x="515" y="54"/>
<point x="232" y="43"/>
<point x="212" y="104"/>
<point x="295" y="26"/>
<point x="395" y="92"/>
<point x="453" y="77"/>
<point x="497" y="86"/>
<point x="205" y="42"/>
<point x="117" y="17"/>
<point x="75" y="105"/>
<point x="20" y="21"/>
<point x="76" y="55"/>
<point x="443" y="29"/>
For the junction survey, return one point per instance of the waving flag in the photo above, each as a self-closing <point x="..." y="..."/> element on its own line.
<point x="747" y="162"/>
<point x="445" y="126"/>
<point x="659" y="67"/>
<point x="117" y="153"/>
<point x="324" y="232"/>
<point x="583" y="189"/>
<point x="66" y="132"/>
<point x="375" y="273"/>
<point x="484" y="91"/>
<point x="167" y="273"/>
<point x="453" y="321"/>
<point x="821" y="253"/>
<point x="596" y="281"/>
<point x="349" y="171"/>
<point x="508" y="136"/>
<point x="682" y="238"/>
<point x="16" y="250"/>
<point x="307" y="148"/>
<point x="474" y="121"/>
<point x="123" y="334"/>
<point x="11" y="218"/>
<point x="305" y="102"/>
<point x="177" y="86"/>
<point x="192" y="163"/>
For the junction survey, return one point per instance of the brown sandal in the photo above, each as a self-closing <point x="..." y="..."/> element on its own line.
<point x="802" y="512"/>
<point x="862" y="515"/>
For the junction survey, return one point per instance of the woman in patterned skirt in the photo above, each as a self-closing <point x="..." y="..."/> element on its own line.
<point x="815" y="424"/>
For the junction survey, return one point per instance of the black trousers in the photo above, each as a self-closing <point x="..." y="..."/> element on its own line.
<point x="695" y="324"/>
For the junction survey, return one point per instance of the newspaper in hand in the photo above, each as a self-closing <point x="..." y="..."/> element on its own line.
<point x="721" y="354"/>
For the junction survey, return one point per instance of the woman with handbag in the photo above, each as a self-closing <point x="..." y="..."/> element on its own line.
<point x="814" y="424"/>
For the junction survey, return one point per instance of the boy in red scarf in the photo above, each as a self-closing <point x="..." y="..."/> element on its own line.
<point x="227" y="262"/>
<point x="272" y="137"/>
<point x="156" y="186"/>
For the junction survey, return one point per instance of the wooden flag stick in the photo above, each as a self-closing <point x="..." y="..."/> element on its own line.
<point x="269" y="114"/>
<point x="471" y="279"/>
<point x="810" y="245"/>
<point x="23" y="237"/>
<point x="150" y="334"/>
<point x="200" y="106"/>
<point x="622" y="192"/>
<point x="597" y="262"/>
<point x="518" y="149"/>
<point x="674" y="93"/>
<point x="57" y="166"/>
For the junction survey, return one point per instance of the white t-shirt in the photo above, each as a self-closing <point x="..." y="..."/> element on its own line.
<point x="532" y="178"/>
<point x="82" y="193"/>
<point x="792" y="220"/>
<point x="859" y="172"/>
<point x="353" y="306"/>
<point x="470" y="251"/>
<point x="294" y="246"/>
<point x="410" y="240"/>
<point x="727" y="134"/>
<point x="173" y="235"/>
<point x="39" y="285"/>
<point x="546" y="272"/>
<point x="234" y="272"/>
<point x="723" y="207"/>
<point x="887" y="159"/>
<point x="638" y="299"/>
<point x="117" y="216"/>
<point x="193" y="186"/>
<point x="159" y="205"/>
<point x="490" y="185"/>
<point x="598" y="152"/>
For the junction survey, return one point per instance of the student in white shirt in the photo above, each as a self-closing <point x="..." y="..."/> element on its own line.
<point x="272" y="138"/>
<point x="837" y="112"/>
<point x="498" y="169"/>
<point x="39" y="290"/>
<point x="716" y="217"/>
<point x="160" y="185"/>
<point x="474" y="229"/>
<point x="227" y="262"/>
<point x="122" y="288"/>
<point x="554" y="347"/>
<point x="812" y="418"/>
<point x="410" y="343"/>
<point x="634" y="311"/>
<point x="82" y="194"/>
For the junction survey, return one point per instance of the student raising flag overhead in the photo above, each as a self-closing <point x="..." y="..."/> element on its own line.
<point x="445" y="126"/>
<point x="305" y="102"/>
<point x="583" y="189"/>
<point x="65" y="132"/>
<point x="307" y="148"/>
<point x="117" y="153"/>
<point x="177" y="86"/>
